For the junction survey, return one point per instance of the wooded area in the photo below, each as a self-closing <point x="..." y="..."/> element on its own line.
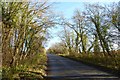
<point x="90" y="35"/>
<point x="24" y="29"/>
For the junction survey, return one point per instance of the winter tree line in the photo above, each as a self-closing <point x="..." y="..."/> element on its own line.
<point x="96" y="29"/>
<point x="25" y="27"/>
<point x="92" y="35"/>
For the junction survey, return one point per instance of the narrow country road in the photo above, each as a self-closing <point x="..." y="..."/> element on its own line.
<point x="60" y="68"/>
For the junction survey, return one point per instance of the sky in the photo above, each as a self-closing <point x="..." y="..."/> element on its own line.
<point x="67" y="9"/>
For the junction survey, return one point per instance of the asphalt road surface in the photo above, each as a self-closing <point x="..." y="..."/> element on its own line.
<point x="60" y="68"/>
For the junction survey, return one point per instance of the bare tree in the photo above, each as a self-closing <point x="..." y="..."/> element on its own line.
<point x="97" y="16"/>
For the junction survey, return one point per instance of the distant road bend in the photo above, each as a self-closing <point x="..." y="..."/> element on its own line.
<point x="60" y="68"/>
